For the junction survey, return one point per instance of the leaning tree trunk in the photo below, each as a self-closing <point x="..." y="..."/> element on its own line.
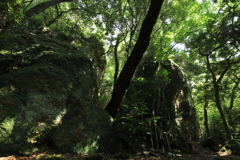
<point x="135" y="57"/>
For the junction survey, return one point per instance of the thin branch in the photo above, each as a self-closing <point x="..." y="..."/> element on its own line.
<point x="60" y="14"/>
<point x="30" y="2"/>
<point x="223" y="73"/>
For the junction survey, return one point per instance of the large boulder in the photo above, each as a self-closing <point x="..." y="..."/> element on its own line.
<point x="48" y="92"/>
<point x="178" y="101"/>
<point x="162" y="88"/>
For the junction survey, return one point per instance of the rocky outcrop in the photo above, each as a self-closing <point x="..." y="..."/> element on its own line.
<point x="178" y="100"/>
<point x="163" y="89"/>
<point x="48" y="92"/>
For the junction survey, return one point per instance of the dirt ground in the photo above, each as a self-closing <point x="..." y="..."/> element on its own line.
<point x="200" y="153"/>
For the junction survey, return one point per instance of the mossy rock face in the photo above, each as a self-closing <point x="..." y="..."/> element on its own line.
<point x="110" y="144"/>
<point x="48" y="90"/>
<point x="28" y="149"/>
<point x="81" y="134"/>
<point x="234" y="145"/>
<point x="50" y="157"/>
<point x="162" y="89"/>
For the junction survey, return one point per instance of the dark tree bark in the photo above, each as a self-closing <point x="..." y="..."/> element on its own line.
<point x="232" y="99"/>
<point x="42" y="6"/>
<point x="233" y="93"/>
<point x="206" y="118"/>
<point x="116" y="60"/>
<point x="134" y="58"/>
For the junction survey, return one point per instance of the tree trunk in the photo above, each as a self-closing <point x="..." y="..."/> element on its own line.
<point x="116" y="60"/>
<point x="232" y="99"/>
<point x="217" y="97"/>
<point x="233" y="94"/>
<point x="135" y="57"/>
<point x="206" y="118"/>
<point x="219" y="106"/>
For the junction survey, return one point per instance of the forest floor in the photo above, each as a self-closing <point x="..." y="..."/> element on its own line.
<point x="199" y="154"/>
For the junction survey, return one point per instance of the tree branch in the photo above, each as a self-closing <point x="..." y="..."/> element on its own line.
<point x="60" y="14"/>
<point x="42" y="6"/>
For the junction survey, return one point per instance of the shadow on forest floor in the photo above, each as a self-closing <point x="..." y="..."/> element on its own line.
<point x="200" y="154"/>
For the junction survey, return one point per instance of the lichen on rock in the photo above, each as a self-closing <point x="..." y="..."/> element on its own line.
<point x="48" y="92"/>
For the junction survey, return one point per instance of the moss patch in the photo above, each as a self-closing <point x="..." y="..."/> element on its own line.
<point x="46" y="87"/>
